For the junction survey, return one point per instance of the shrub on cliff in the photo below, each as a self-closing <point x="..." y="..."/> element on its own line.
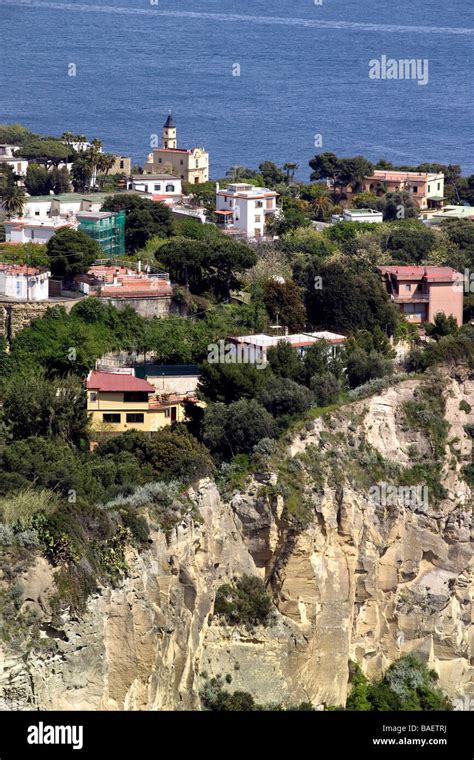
<point x="244" y="602"/>
<point x="407" y="685"/>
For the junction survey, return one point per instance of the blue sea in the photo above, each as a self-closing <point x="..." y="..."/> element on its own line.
<point x="304" y="71"/>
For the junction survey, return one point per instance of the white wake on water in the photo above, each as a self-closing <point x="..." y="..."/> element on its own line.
<point x="239" y="18"/>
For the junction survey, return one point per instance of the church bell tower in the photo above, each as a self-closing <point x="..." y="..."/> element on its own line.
<point x="169" y="133"/>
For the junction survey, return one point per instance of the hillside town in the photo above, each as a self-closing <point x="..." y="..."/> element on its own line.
<point x="178" y="350"/>
<point x="102" y="198"/>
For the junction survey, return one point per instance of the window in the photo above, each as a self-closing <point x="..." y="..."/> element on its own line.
<point x="113" y="419"/>
<point x="415" y="188"/>
<point x="258" y="219"/>
<point x="181" y="162"/>
<point x="135" y="397"/>
<point x="122" y="164"/>
<point x="439" y="185"/>
<point x="157" y="188"/>
<point x="135" y="417"/>
<point x="259" y="204"/>
<point x="197" y="163"/>
<point x="159" y="160"/>
<point x="93" y="395"/>
<point x="170" y="188"/>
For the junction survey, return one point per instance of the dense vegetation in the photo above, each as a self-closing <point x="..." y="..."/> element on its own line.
<point x="406" y="686"/>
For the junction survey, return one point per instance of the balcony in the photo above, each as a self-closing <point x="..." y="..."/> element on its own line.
<point x="412" y="298"/>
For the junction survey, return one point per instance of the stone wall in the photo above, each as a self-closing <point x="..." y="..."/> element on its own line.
<point x="145" y="307"/>
<point x="15" y="315"/>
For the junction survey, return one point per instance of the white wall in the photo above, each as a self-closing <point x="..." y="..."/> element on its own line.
<point x="15" y="286"/>
<point x="158" y="187"/>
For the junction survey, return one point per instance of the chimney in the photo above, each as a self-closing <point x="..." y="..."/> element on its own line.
<point x="286" y="331"/>
<point x="139" y="266"/>
<point x="218" y="187"/>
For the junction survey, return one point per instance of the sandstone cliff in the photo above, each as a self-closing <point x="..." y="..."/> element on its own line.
<point x="351" y="578"/>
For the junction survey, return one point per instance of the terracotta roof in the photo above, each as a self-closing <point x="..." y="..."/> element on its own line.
<point x="110" y="382"/>
<point x="22" y="269"/>
<point x="429" y="273"/>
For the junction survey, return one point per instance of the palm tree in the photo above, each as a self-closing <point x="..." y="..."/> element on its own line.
<point x="80" y="140"/>
<point x="290" y="169"/>
<point x="322" y="205"/>
<point x="14" y="201"/>
<point x="105" y="163"/>
<point x="94" y="155"/>
<point x="235" y="172"/>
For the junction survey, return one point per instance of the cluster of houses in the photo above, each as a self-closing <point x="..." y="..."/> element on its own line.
<point x="148" y="397"/>
<point x="242" y="209"/>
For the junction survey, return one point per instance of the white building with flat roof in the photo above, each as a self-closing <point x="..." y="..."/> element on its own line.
<point x="30" y="230"/>
<point x="161" y="187"/>
<point x="245" y="208"/>
<point x="24" y="283"/>
<point x="255" y="347"/>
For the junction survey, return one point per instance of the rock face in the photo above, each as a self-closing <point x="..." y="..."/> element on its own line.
<point x="16" y="315"/>
<point x="361" y="580"/>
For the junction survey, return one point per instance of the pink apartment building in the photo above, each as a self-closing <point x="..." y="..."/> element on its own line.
<point x="425" y="188"/>
<point x="421" y="292"/>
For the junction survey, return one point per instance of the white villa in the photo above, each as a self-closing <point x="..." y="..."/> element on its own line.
<point x="245" y="208"/>
<point x="161" y="187"/>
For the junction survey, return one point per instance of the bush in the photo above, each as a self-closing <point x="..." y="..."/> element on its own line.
<point x="326" y="388"/>
<point x="363" y="366"/>
<point x="407" y="685"/>
<point x="244" y="602"/>
<point x="7" y="537"/>
<point x="375" y="386"/>
<point x="282" y="396"/>
<point x="237" y="428"/>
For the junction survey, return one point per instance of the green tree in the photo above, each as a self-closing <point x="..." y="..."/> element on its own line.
<point x="237" y="428"/>
<point x="15" y="134"/>
<point x="271" y="174"/>
<point x="144" y="220"/>
<point x="60" y="180"/>
<point x="362" y="367"/>
<point x="281" y="396"/>
<point x="37" y="180"/>
<point x="409" y="243"/>
<point x="442" y="325"/>
<point x="35" y="405"/>
<point x="284" y="303"/>
<point x="343" y="172"/>
<point x="285" y="361"/>
<point x="14" y="201"/>
<point x="44" y="150"/>
<point x="209" y="265"/>
<point x="72" y="252"/>
<point x="230" y="382"/>
<point x="346" y="301"/>
<point x="326" y="388"/>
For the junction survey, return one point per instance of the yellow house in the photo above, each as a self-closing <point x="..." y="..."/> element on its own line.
<point x="119" y="401"/>
<point x="188" y="164"/>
